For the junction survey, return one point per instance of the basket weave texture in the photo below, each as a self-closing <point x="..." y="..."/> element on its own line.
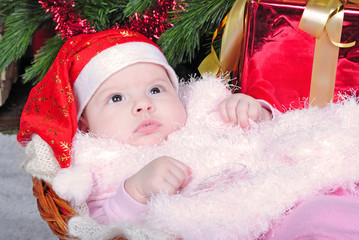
<point x="54" y="210"/>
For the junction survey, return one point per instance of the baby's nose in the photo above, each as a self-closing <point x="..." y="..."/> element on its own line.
<point x="143" y="105"/>
<point x="144" y="108"/>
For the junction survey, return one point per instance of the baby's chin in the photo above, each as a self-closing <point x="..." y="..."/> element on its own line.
<point x="154" y="139"/>
<point x="144" y="141"/>
<point x="150" y="142"/>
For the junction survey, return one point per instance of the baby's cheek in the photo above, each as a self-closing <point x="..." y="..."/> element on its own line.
<point x="182" y="117"/>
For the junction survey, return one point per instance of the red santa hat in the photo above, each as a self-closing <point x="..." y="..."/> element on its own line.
<point x="56" y="103"/>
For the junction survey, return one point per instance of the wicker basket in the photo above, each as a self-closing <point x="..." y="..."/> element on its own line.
<point x="54" y="210"/>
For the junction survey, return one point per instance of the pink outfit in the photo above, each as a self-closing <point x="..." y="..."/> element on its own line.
<point x="325" y="217"/>
<point x="122" y="207"/>
<point x="329" y="217"/>
<point x="119" y="208"/>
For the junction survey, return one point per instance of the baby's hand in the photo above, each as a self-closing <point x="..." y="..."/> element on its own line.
<point x="164" y="174"/>
<point x="239" y="108"/>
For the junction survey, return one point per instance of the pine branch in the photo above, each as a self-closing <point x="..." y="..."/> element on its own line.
<point x="6" y="8"/>
<point x="43" y="60"/>
<point x="137" y="6"/>
<point x="199" y="21"/>
<point x="102" y="14"/>
<point x="20" y="26"/>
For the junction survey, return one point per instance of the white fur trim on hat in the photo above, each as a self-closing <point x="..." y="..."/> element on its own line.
<point x="114" y="59"/>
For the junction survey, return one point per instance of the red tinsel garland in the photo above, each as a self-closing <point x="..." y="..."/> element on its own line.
<point x="152" y="23"/>
<point x="155" y="20"/>
<point x="69" y="23"/>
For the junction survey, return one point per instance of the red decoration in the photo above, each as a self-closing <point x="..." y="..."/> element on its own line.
<point x="155" y="20"/>
<point x="278" y="57"/>
<point x="69" y="23"/>
<point x="151" y="24"/>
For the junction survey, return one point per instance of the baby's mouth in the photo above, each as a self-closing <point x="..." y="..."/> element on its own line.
<point x="147" y="127"/>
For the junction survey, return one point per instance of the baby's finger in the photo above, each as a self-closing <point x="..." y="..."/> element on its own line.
<point x="242" y="115"/>
<point x="167" y="187"/>
<point x="223" y="111"/>
<point x="232" y="106"/>
<point x="181" y="171"/>
<point x="179" y="164"/>
<point x="172" y="183"/>
<point x="255" y="112"/>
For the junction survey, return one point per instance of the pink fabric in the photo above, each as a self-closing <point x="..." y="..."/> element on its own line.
<point x="325" y="217"/>
<point x="122" y="207"/>
<point x="118" y="208"/>
<point x="275" y="112"/>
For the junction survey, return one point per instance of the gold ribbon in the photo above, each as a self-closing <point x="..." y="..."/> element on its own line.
<point x="323" y="19"/>
<point x="231" y="45"/>
<point x="319" y="17"/>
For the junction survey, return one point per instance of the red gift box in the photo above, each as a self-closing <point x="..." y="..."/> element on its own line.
<point x="278" y="57"/>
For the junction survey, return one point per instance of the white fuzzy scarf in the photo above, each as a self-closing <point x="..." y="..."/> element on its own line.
<point x="242" y="181"/>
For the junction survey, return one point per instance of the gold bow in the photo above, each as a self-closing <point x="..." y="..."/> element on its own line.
<point x="231" y="45"/>
<point x="319" y="17"/>
<point x="323" y="19"/>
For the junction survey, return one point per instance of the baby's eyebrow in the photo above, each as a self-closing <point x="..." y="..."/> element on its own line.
<point x="161" y="79"/>
<point x="105" y="91"/>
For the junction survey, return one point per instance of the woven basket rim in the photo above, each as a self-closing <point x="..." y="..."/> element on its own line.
<point x="54" y="210"/>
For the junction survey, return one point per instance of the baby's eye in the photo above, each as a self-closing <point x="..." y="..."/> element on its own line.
<point x="155" y="90"/>
<point x="116" y="98"/>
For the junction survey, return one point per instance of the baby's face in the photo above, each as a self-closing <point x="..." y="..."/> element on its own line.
<point x="137" y="105"/>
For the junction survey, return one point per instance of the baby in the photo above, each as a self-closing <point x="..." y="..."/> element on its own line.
<point x="139" y="105"/>
<point x="142" y="110"/>
<point x="118" y="84"/>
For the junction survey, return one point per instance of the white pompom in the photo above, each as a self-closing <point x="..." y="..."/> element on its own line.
<point x="73" y="184"/>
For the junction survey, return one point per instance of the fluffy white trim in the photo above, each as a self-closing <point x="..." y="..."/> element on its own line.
<point x="242" y="181"/>
<point x="73" y="184"/>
